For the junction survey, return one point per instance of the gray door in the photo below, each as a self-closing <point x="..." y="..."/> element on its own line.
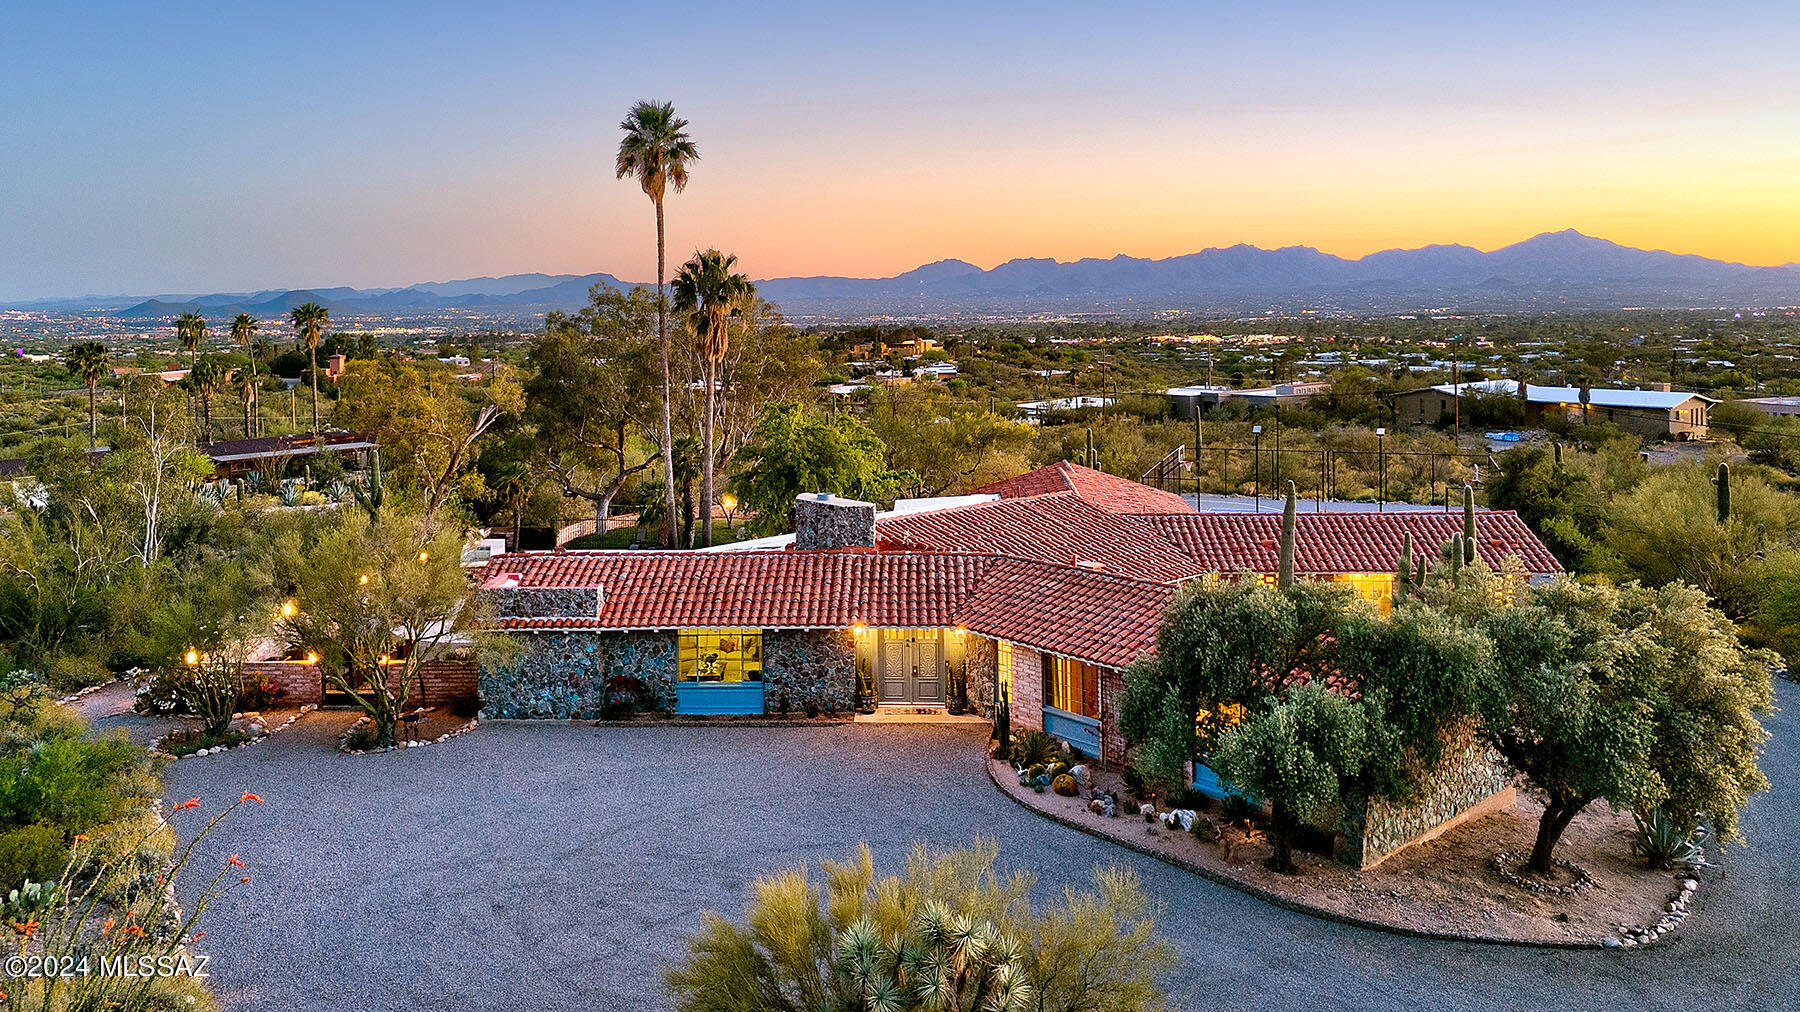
<point x="911" y="667"/>
<point x="896" y="669"/>
<point x="928" y="682"/>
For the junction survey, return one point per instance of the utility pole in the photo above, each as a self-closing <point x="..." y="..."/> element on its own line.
<point x="1456" y="385"/>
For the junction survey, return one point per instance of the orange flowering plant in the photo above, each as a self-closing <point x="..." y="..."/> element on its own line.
<point x="115" y="906"/>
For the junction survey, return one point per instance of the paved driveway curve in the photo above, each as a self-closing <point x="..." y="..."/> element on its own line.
<point x="559" y="866"/>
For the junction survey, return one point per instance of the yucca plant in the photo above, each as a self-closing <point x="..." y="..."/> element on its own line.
<point x="1664" y="843"/>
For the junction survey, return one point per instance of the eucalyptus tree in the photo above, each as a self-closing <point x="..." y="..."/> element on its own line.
<point x="89" y="362"/>
<point x="710" y="293"/>
<point x="310" y="320"/>
<point x="656" y="151"/>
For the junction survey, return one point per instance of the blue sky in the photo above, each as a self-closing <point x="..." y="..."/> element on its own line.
<point x="199" y="147"/>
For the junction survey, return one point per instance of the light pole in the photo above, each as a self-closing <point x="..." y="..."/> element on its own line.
<point x="728" y="503"/>
<point x="1381" y="469"/>
<point x="1256" y="466"/>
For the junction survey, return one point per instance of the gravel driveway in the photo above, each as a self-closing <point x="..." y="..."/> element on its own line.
<point x="556" y="866"/>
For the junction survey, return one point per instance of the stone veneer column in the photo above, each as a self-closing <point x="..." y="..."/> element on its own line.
<point x="822" y="520"/>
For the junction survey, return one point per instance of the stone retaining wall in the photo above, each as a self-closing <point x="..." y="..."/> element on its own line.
<point x="1470" y="782"/>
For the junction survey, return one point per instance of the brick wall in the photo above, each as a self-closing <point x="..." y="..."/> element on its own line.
<point x="1027" y="688"/>
<point x="1112" y="693"/>
<point x="440" y="683"/>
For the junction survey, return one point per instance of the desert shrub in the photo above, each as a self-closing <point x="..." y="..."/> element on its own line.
<point x="1135" y="785"/>
<point x="36" y="852"/>
<point x="362" y="736"/>
<point x="1032" y="747"/>
<point x="71" y="783"/>
<point x="1237" y="808"/>
<point x="953" y="932"/>
<point x="164" y="693"/>
<point x="259" y="692"/>
<point x="73" y="672"/>
<point x="212" y="693"/>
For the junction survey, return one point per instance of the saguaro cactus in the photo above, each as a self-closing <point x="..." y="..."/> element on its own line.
<point x="370" y="492"/>
<point x="1406" y="584"/>
<point x="1468" y="531"/>
<point x="1285" y="578"/>
<point x="1723" y="492"/>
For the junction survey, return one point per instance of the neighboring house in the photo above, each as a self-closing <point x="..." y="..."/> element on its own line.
<point x="1036" y="410"/>
<point x="1774" y="406"/>
<point x="1189" y="401"/>
<point x="234" y="458"/>
<point x="1655" y="411"/>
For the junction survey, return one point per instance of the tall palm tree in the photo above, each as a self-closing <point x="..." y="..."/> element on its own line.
<point x="310" y="320"/>
<point x="245" y="382"/>
<point x="243" y="331"/>
<point x="89" y="362"/>
<point x="190" y="330"/>
<point x="656" y="151"/>
<point x="709" y="292"/>
<point x="205" y="377"/>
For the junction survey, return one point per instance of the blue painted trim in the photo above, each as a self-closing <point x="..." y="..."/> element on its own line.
<point x="1081" y="732"/>
<point x="719" y="697"/>
<point x="1208" y="783"/>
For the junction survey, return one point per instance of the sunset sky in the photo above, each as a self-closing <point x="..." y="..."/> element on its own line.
<point x="158" y="148"/>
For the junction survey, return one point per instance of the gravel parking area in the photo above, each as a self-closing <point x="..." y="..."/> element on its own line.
<point x="559" y="866"/>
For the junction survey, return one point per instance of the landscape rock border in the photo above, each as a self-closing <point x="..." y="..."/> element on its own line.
<point x="1506" y="868"/>
<point x="90" y="690"/>
<point x="458" y="732"/>
<point x="993" y="768"/>
<point x="156" y="746"/>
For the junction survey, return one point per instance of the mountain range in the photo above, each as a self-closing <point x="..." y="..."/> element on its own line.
<point x="1554" y="271"/>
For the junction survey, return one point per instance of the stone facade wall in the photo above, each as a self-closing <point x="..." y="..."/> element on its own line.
<point x="832" y="523"/>
<point x="1027" y="688"/>
<point x="980" y="657"/>
<point x="1470" y="779"/>
<point x="543" y="602"/>
<point x="809" y="665"/>
<point x="564" y="675"/>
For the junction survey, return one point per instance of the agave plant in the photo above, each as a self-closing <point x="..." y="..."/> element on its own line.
<point x="290" y="492"/>
<point x="1664" y="843"/>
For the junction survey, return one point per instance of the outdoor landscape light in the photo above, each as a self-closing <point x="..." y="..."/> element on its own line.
<point x="288" y="609"/>
<point x="363" y="580"/>
<point x="424" y="556"/>
<point x="192" y="658"/>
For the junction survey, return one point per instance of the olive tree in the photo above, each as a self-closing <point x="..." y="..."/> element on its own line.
<point x="1637" y="696"/>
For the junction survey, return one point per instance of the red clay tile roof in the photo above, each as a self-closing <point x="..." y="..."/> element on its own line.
<point x="1062" y="529"/>
<point x="1344" y="542"/>
<point x="1104" y="619"/>
<point x="1109" y="492"/>
<point x="777" y="590"/>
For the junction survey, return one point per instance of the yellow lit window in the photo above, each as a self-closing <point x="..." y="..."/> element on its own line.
<point x="1074" y="685"/>
<point x="1004" y="661"/>
<point x="720" y="655"/>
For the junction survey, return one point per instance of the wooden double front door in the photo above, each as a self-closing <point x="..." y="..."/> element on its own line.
<point x="911" y="666"/>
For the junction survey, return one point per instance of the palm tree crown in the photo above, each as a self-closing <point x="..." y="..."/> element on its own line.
<point x="190" y="330"/>
<point x="656" y="149"/>
<point x="709" y="291"/>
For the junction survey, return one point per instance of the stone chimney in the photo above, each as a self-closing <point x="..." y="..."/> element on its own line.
<point x="823" y="520"/>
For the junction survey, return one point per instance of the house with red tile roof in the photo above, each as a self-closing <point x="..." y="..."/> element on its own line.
<point x="1045" y="591"/>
